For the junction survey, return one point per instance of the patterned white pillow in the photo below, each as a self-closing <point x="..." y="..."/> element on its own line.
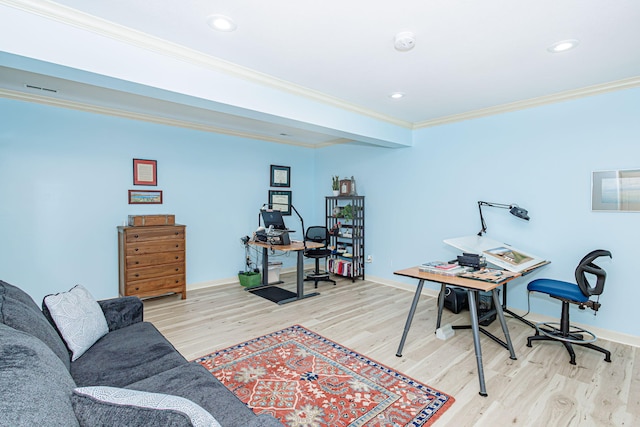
<point x="78" y="317"/>
<point x="112" y="398"/>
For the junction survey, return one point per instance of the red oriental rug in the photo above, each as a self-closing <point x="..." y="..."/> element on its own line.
<point x="304" y="379"/>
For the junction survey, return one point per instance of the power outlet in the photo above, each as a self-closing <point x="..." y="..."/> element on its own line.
<point x="369" y="259"/>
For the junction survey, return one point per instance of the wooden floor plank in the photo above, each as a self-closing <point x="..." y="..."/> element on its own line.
<point x="540" y="388"/>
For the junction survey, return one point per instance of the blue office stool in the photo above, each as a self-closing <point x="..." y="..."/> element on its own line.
<point x="571" y="293"/>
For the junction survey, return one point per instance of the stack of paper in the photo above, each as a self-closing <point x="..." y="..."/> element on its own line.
<point x="444" y="268"/>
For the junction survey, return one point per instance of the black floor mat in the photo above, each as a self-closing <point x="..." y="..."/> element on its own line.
<point x="273" y="293"/>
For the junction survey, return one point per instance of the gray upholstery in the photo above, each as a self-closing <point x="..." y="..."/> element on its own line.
<point x="37" y="378"/>
<point x="114" y="406"/>
<point x="189" y="381"/>
<point x="19" y="311"/>
<point x="91" y="413"/>
<point x="121" y="312"/>
<point x="131" y="354"/>
<point x="36" y="386"/>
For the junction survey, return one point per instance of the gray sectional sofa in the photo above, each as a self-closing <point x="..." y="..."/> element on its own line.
<point x="133" y="362"/>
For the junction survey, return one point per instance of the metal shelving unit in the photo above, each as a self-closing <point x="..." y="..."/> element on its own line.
<point x="345" y="221"/>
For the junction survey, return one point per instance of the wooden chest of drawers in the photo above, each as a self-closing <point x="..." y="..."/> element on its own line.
<point x="152" y="260"/>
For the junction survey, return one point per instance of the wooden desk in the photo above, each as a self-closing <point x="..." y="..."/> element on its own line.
<point x="296" y="246"/>
<point x="472" y="286"/>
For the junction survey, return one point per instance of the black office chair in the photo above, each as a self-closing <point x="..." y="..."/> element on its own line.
<point x="570" y="293"/>
<point x="318" y="234"/>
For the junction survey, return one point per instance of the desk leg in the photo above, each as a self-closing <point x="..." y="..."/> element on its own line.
<point x="299" y="282"/>
<point x="265" y="266"/>
<point x="412" y="311"/>
<point x="473" y="312"/>
<point x="300" y="275"/>
<point x="503" y="323"/>
<point x="443" y="290"/>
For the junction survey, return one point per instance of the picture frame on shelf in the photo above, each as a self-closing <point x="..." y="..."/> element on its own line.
<point x="281" y="201"/>
<point x="145" y="172"/>
<point x="145" y="197"/>
<point x="345" y="187"/>
<point x="280" y="176"/>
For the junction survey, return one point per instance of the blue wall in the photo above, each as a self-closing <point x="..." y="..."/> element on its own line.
<point x="65" y="176"/>
<point x="541" y="159"/>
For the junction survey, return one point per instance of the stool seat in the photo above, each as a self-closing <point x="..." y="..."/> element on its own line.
<point x="558" y="289"/>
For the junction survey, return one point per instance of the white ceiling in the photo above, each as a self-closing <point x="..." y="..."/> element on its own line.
<point x="469" y="57"/>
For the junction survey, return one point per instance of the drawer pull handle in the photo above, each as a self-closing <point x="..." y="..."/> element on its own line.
<point x="177" y="257"/>
<point x="137" y="275"/>
<point x="136" y="249"/>
<point x="137" y="289"/>
<point x="137" y="262"/>
<point x="177" y="269"/>
<point x="136" y="236"/>
<point x="177" y="246"/>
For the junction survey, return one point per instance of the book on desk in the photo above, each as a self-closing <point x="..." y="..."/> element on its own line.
<point x="443" y="268"/>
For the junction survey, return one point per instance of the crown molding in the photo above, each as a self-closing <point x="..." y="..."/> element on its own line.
<point x="534" y="102"/>
<point x="76" y="18"/>
<point x="96" y="109"/>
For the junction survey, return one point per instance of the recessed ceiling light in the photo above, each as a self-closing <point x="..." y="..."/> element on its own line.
<point x="221" y="23"/>
<point x="563" y="46"/>
<point x="396" y="95"/>
<point x="404" y="41"/>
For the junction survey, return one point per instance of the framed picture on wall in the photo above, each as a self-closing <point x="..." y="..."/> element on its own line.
<point x="145" y="172"/>
<point x="281" y="201"/>
<point x="617" y="190"/>
<point x="143" y="197"/>
<point x="280" y="176"/>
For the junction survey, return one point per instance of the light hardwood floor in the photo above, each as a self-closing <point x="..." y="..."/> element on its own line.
<point x="541" y="388"/>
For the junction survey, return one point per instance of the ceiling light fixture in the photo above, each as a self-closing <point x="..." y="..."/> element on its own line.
<point x="404" y="41"/>
<point x="221" y="23"/>
<point x="563" y="46"/>
<point x="396" y="95"/>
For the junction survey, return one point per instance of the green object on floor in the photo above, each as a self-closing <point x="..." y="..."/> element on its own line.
<point x="249" y="279"/>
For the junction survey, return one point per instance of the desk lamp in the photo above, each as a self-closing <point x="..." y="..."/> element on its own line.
<point x="514" y="209"/>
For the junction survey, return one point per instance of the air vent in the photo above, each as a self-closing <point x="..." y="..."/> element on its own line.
<point x="44" y="89"/>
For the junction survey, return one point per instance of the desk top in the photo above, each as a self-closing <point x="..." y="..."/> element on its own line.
<point x="294" y="246"/>
<point x="415" y="273"/>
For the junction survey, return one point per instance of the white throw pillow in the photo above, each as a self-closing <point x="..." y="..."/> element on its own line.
<point x="78" y="317"/>
<point x="118" y="406"/>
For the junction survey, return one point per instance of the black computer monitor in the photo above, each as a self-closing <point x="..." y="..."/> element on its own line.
<point x="273" y="218"/>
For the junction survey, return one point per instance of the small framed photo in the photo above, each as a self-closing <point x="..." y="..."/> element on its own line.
<point x="145" y="172"/>
<point x="345" y="187"/>
<point x="281" y="201"/>
<point x="144" y="197"/>
<point x="280" y="176"/>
